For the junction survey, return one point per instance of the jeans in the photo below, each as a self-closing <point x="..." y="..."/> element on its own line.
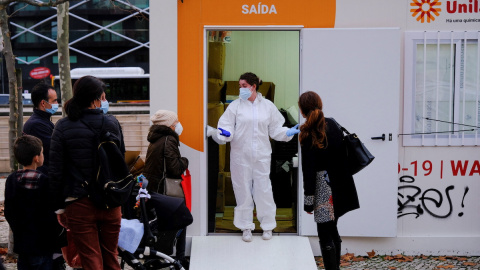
<point x="95" y="234"/>
<point x="180" y="246"/>
<point x="29" y="262"/>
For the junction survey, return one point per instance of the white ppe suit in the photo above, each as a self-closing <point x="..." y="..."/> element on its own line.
<point x="250" y="125"/>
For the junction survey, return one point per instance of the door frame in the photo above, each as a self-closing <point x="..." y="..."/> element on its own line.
<point x="204" y="155"/>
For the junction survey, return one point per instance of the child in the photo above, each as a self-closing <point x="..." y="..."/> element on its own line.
<point x="28" y="210"/>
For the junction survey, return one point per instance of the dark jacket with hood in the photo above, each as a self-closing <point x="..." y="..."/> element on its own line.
<point x="157" y="152"/>
<point x="332" y="159"/>
<point x="72" y="153"/>
<point x="40" y="126"/>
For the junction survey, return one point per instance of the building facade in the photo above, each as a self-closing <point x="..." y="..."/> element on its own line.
<point x="102" y="34"/>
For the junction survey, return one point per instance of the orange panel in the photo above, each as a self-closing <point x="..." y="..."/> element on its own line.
<point x="193" y="15"/>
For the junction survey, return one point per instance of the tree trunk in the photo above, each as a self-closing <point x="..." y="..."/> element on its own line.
<point x="12" y="86"/>
<point x="12" y="83"/>
<point x="18" y="74"/>
<point x="64" y="52"/>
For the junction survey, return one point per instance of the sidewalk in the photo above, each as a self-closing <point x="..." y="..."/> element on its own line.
<point x="400" y="262"/>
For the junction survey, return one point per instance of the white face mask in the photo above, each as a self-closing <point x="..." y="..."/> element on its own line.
<point x="178" y="128"/>
<point x="245" y="93"/>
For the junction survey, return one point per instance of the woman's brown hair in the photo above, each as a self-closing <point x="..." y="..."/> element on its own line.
<point x="314" y="127"/>
<point x="251" y="79"/>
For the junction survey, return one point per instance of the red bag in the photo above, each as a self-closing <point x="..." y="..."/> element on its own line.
<point x="70" y="253"/>
<point x="187" y="189"/>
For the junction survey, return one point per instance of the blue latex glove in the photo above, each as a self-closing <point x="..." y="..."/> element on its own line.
<point x="294" y="130"/>
<point x="224" y="132"/>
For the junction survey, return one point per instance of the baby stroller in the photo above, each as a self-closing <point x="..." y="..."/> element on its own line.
<point x="163" y="218"/>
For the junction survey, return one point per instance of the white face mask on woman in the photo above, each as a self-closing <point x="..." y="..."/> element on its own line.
<point x="245" y="93"/>
<point x="178" y="128"/>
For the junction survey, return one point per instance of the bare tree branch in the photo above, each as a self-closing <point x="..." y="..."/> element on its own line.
<point x="140" y="15"/>
<point x="38" y="3"/>
<point x="13" y="13"/>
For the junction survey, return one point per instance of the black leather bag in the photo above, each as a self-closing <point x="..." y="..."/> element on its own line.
<point x="358" y="156"/>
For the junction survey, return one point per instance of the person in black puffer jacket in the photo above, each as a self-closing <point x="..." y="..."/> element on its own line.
<point x="94" y="231"/>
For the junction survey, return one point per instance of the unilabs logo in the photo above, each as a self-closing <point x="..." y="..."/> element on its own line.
<point x="425" y="9"/>
<point x="471" y="7"/>
<point x="259" y="9"/>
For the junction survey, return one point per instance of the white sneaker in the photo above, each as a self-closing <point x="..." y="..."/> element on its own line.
<point x="247" y="235"/>
<point x="267" y="235"/>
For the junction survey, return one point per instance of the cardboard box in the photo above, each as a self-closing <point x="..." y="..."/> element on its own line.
<point x="215" y="110"/>
<point x="214" y="90"/>
<point x="216" y="60"/>
<point x="229" y="194"/>
<point x="221" y="181"/>
<point x="220" y="203"/>
<point x="224" y="157"/>
<point x="222" y="148"/>
<point x="231" y="89"/>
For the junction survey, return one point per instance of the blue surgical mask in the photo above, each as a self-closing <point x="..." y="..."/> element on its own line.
<point x="52" y="110"/>
<point x="245" y="93"/>
<point x="104" y="106"/>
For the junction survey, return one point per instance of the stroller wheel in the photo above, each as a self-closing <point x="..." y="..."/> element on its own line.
<point x="156" y="264"/>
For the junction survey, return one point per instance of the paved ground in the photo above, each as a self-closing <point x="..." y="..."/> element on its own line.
<point x="349" y="261"/>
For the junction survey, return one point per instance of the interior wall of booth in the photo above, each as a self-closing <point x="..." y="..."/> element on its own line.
<point x="272" y="55"/>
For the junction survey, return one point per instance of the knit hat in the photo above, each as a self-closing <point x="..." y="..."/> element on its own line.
<point x="164" y="118"/>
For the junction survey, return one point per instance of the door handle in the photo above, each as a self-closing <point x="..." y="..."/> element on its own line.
<point x="379" y="138"/>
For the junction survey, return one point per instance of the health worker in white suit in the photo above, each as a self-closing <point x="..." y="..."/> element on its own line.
<point x="247" y="124"/>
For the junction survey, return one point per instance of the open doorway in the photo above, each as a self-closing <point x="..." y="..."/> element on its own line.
<point x="274" y="57"/>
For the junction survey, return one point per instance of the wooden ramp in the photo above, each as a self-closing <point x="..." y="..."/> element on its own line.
<point x="230" y="252"/>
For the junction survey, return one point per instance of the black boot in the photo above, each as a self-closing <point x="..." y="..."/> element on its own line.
<point x="329" y="257"/>
<point x="338" y="253"/>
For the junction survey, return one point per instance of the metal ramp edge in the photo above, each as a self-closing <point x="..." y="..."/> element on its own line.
<point x="230" y="252"/>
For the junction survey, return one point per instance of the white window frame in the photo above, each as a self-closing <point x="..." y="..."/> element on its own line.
<point x="439" y="137"/>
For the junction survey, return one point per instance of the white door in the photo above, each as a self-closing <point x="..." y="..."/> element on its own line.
<point x="356" y="72"/>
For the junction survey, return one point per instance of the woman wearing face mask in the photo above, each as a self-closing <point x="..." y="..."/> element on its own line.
<point x="248" y="124"/>
<point x="328" y="187"/>
<point x="164" y="147"/>
<point x="94" y="230"/>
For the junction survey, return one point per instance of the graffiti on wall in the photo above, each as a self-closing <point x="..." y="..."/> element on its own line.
<point x="412" y="200"/>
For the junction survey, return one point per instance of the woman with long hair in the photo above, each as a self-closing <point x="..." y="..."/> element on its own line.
<point x="328" y="187"/>
<point x="94" y="230"/>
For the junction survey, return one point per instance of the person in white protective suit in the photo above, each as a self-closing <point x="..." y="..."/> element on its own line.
<point x="247" y="124"/>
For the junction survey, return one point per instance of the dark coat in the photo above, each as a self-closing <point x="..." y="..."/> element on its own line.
<point x="332" y="159"/>
<point x="157" y="150"/>
<point x="30" y="214"/>
<point x="72" y="150"/>
<point x="41" y="126"/>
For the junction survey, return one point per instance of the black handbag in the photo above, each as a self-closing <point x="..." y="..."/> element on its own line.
<point x="171" y="186"/>
<point x="358" y="156"/>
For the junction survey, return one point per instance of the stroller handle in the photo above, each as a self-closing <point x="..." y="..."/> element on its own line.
<point x="146" y="225"/>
